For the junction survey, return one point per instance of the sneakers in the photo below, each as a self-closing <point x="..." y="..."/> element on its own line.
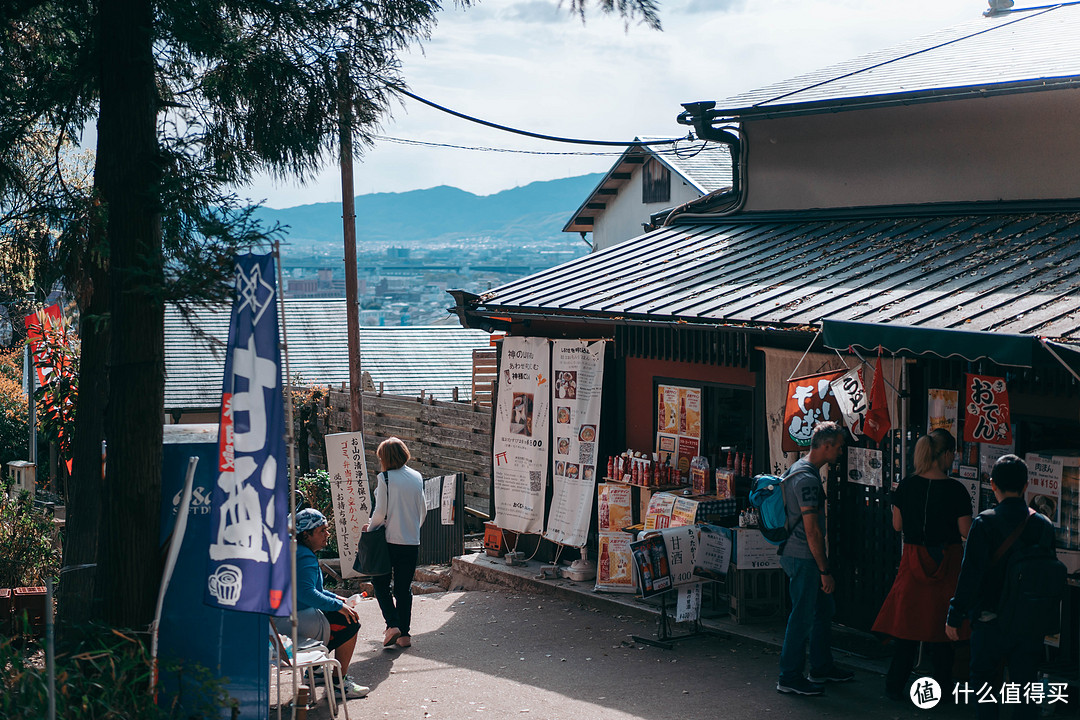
<point x="390" y="636"/>
<point x="404" y="641"/>
<point x="353" y="689"/>
<point x="833" y="674"/>
<point x="799" y="686"/>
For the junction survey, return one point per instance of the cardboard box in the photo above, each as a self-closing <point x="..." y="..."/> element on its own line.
<point x="752" y="551"/>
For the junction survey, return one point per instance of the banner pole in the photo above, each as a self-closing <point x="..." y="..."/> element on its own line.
<point x="290" y="443"/>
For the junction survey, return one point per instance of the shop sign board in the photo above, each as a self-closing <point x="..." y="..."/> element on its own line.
<point x="347" y="467"/>
<point x="578" y="369"/>
<point x="752" y="551"/>
<point x="810" y="400"/>
<point x="521" y="434"/>
<point x="614" y="569"/>
<point x="864" y="466"/>
<point x="1043" y="491"/>
<point x="986" y="410"/>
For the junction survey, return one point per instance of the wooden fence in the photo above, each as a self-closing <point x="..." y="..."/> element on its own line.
<point x="443" y="437"/>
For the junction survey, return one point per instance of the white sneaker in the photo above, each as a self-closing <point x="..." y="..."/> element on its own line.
<point x="353" y="689"/>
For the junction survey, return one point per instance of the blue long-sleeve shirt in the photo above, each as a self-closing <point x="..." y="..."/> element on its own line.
<point x="309" y="585"/>
<point x="979" y="586"/>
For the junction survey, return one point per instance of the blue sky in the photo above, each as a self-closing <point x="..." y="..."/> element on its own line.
<point x="530" y="64"/>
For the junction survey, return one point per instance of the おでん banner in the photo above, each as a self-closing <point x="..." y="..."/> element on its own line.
<point x="347" y="467"/>
<point x="521" y="434"/>
<point x="578" y="372"/>
<point x="249" y="510"/>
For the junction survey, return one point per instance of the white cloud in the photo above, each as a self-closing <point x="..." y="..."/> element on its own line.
<point x="531" y="65"/>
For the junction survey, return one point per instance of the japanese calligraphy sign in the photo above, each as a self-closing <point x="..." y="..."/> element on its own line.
<point x="851" y="399"/>
<point x="247" y="568"/>
<point x="522" y="417"/>
<point x="809" y="401"/>
<point x="347" y="465"/>
<point x="986" y="410"/>
<point x="578" y="369"/>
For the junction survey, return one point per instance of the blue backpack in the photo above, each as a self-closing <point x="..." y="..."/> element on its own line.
<point x="767" y="495"/>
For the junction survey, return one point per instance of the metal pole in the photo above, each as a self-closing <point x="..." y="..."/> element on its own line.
<point x="50" y="654"/>
<point x="31" y="406"/>
<point x="348" y="219"/>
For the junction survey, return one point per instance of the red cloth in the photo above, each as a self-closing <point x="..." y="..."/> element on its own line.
<point x="919" y="600"/>
<point x="877" y="422"/>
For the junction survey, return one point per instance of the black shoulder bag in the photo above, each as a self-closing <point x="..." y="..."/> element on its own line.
<point x="373" y="554"/>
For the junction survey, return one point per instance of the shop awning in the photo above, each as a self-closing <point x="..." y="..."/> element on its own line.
<point x="1001" y="348"/>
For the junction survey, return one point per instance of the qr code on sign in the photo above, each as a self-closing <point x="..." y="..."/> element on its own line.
<point x="535" y="483"/>
<point x="585" y="452"/>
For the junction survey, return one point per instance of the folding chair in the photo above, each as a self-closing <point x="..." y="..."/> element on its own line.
<point x="304" y="661"/>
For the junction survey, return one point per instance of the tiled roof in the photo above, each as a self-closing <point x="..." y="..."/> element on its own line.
<point x="435" y="359"/>
<point x="1010" y="52"/>
<point x="1011" y="273"/>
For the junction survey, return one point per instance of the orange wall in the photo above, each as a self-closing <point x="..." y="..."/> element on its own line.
<point x="639" y="389"/>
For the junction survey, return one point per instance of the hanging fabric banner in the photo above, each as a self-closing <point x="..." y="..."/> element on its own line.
<point x="878" y="422"/>
<point x="248" y="568"/>
<point x="347" y="465"/>
<point x="578" y="369"/>
<point x="986" y="410"/>
<point x="521" y="434"/>
<point x="809" y="401"/>
<point x="850" y="394"/>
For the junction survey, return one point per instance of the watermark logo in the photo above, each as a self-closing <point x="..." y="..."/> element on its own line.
<point x="925" y="693"/>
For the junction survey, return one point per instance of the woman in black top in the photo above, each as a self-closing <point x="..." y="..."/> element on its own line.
<point x="934" y="513"/>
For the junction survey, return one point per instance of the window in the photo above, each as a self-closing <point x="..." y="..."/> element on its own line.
<point x="655" y="182"/>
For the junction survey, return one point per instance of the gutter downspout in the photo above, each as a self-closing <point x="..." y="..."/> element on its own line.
<point x="700" y="116"/>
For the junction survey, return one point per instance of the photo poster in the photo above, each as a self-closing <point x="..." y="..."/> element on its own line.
<point x="520" y="452"/>
<point x="864" y="466"/>
<point x="578" y="372"/>
<point x="614" y="508"/>
<point x="349" y="492"/>
<point x="614" y="571"/>
<point x="678" y="426"/>
<point x="1043" y="493"/>
<point x="942" y="414"/>
<point x="713" y="552"/>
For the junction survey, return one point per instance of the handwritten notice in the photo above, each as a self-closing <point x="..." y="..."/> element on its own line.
<point x="349" y="492"/>
<point x="449" y="489"/>
<point x="714" y="552"/>
<point x="431" y="493"/>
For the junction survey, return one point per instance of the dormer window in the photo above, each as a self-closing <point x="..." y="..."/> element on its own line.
<point x="655" y="182"/>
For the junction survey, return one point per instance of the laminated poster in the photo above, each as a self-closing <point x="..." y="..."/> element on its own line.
<point x="683" y="512"/>
<point x="431" y="493"/>
<point x="713" y="553"/>
<point x="651" y="565"/>
<point x="347" y="467"/>
<point x="658" y="514"/>
<point x="688" y="603"/>
<point x="1043" y="492"/>
<point x="449" y="490"/>
<point x="613" y="507"/>
<point x="614" y="571"/>
<point x="520" y="451"/>
<point x="864" y="466"/>
<point x="678" y="425"/>
<point x="578" y="370"/>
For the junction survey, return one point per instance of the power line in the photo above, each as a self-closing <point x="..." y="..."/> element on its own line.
<point x="673" y="151"/>
<point x="552" y="138"/>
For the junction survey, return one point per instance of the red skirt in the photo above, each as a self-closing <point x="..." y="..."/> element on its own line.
<point x="919" y="599"/>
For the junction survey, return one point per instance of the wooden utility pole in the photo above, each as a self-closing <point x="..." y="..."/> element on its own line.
<point x="348" y="218"/>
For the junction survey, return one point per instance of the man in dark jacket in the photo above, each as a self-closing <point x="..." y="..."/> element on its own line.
<point x="979" y="589"/>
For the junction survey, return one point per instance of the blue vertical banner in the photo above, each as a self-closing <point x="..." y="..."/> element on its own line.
<point x="248" y="566"/>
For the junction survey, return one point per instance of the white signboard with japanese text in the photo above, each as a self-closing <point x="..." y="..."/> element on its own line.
<point x="521" y="434"/>
<point x="851" y="399"/>
<point x="578" y="369"/>
<point x="347" y="466"/>
<point x="1044" y="484"/>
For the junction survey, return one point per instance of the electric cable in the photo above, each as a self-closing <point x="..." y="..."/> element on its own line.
<point x="552" y="138"/>
<point x="674" y="151"/>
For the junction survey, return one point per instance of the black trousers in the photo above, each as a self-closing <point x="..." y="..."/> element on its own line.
<point x="396" y="606"/>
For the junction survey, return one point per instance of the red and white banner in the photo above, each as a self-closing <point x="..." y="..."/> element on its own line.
<point x="809" y="401"/>
<point x="986" y="410"/>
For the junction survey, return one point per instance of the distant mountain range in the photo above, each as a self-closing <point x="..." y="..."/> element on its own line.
<point x="535" y="212"/>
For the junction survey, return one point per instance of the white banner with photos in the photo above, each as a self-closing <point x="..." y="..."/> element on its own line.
<point x="578" y="372"/>
<point x="521" y="434"/>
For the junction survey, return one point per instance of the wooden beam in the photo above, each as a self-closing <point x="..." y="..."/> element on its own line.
<point x="595" y="206"/>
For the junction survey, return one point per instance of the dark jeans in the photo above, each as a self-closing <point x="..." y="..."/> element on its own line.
<point x="397" y="606"/>
<point x="810" y="621"/>
<point x="898" y="680"/>
<point x="989" y="649"/>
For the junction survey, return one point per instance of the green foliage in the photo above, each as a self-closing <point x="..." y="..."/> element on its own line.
<point x="316" y="489"/>
<point x="58" y="356"/>
<point x="104" y="676"/>
<point x="27" y="555"/>
<point x="14" y="428"/>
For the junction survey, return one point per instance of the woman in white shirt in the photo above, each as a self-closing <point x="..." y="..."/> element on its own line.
<point x="402" y="514"/>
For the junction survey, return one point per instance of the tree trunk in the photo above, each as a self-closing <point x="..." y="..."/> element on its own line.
<point x="128" y="175"/>
<point x="78" y="601"/>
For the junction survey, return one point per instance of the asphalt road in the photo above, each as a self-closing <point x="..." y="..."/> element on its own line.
<point x="504" y="654"/>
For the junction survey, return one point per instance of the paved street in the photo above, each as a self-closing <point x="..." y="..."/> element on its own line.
<point x="507" y="654"/>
